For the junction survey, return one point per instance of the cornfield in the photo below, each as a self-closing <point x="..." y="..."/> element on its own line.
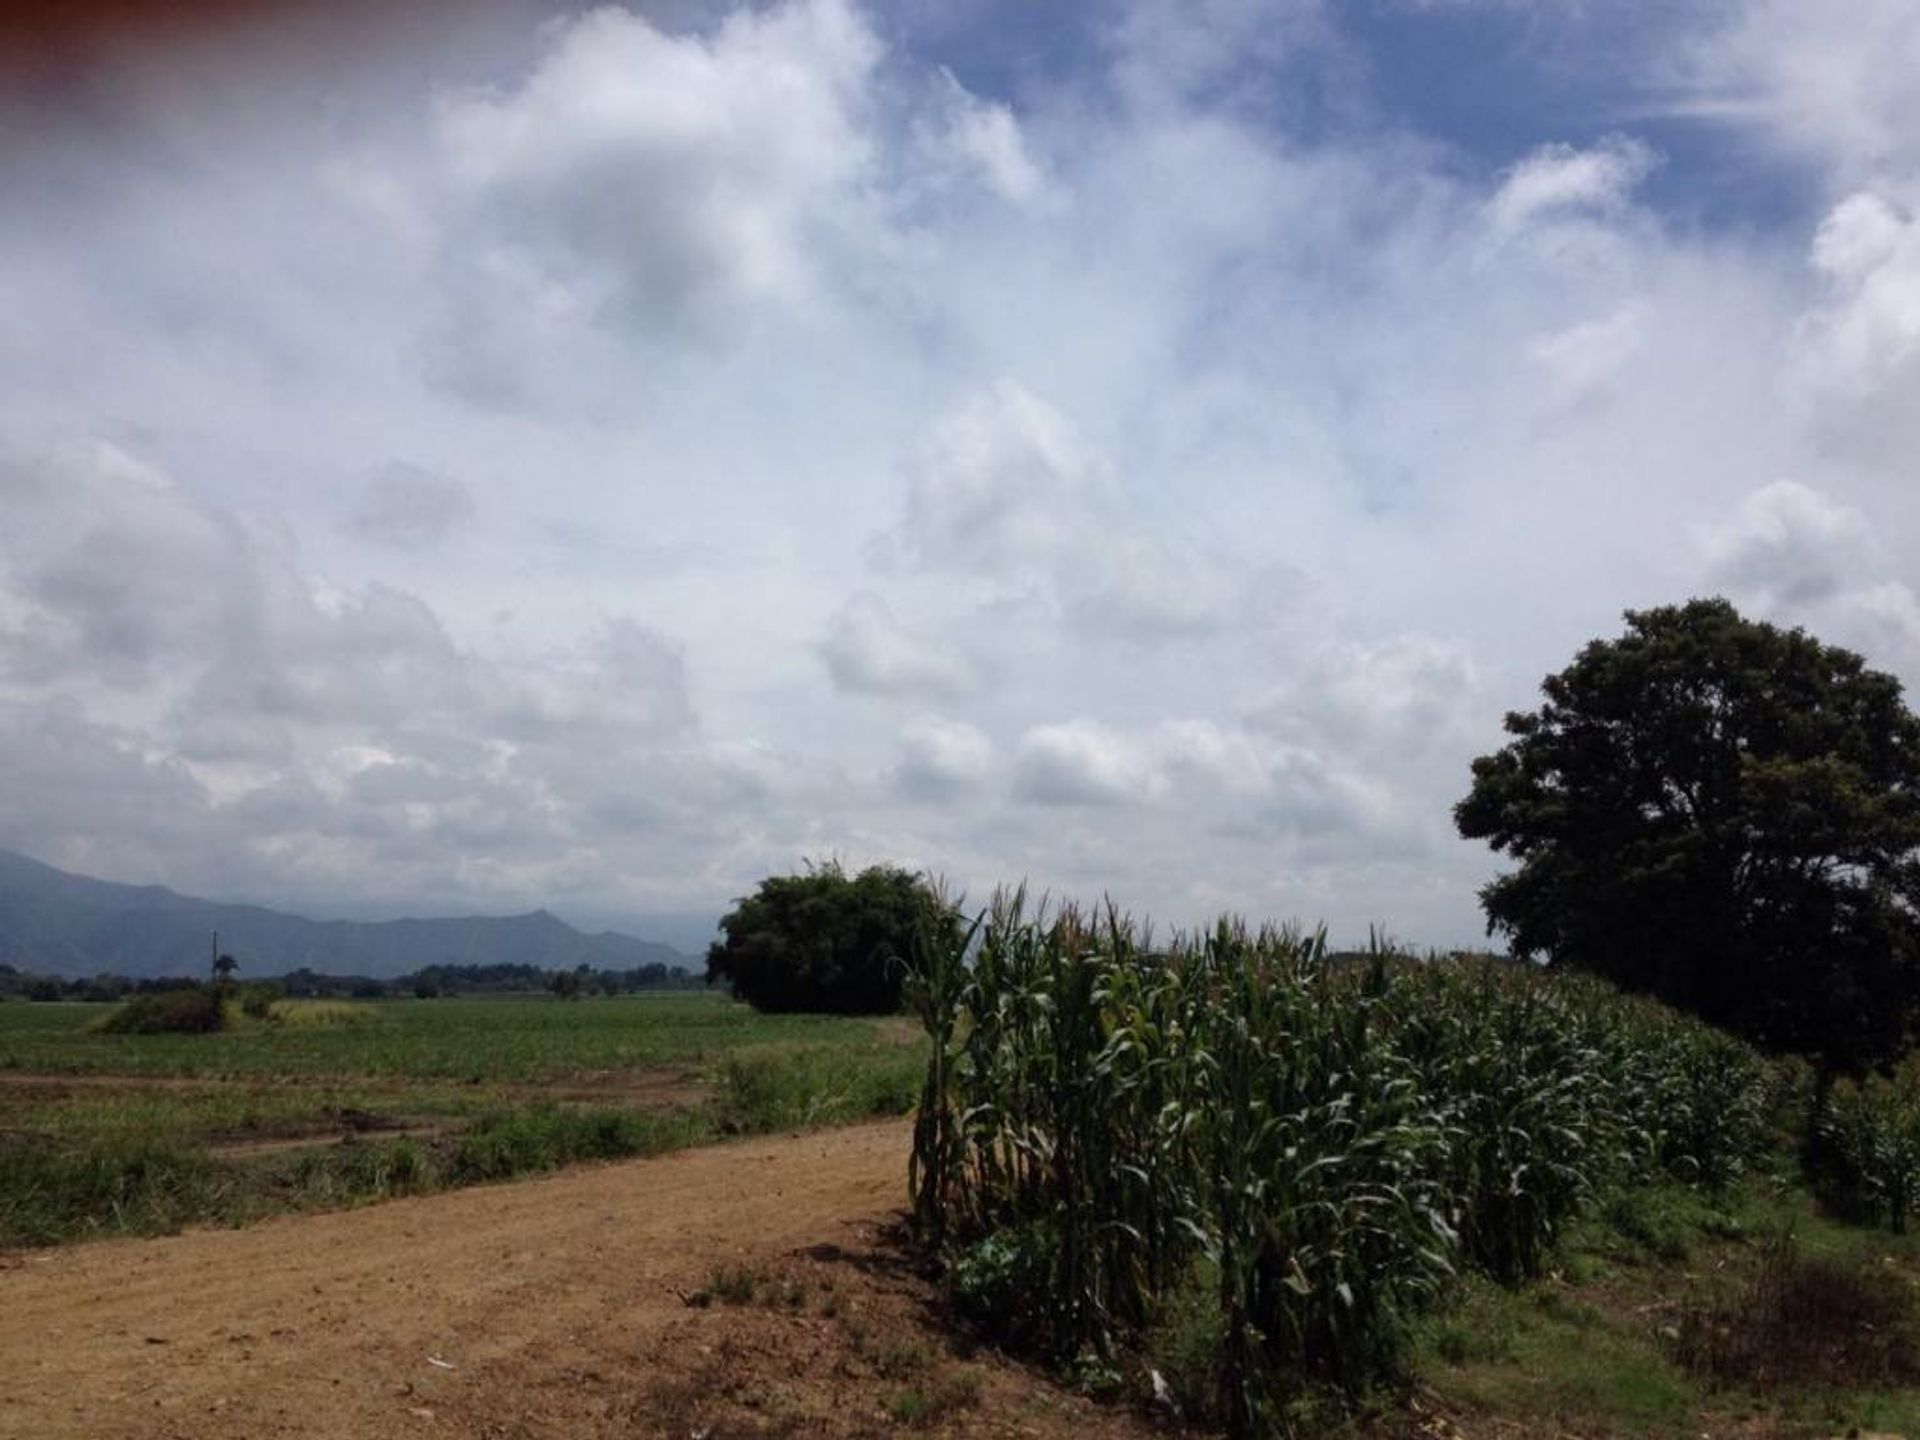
<point x="1306" y="1152"/>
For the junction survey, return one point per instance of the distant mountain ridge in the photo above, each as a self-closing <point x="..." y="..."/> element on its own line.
<point x="53" y="922"/>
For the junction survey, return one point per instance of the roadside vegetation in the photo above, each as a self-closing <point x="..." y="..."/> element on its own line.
<point x="326" y="1103"/>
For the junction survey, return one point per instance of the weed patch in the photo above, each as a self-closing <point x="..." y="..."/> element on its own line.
<point x="799" y="1089"/>
<point x="505" y="1143"/>
<point x="923" y="1405"/>
<point x="1806" y="1320"/>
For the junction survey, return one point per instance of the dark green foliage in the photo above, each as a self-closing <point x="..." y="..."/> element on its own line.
<point x="192" y="1011"/>
<point x="826" y="941"/>
<point x="1724" y="815"/>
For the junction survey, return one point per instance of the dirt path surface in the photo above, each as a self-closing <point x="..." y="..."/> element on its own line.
<point x="553" y="1306"/>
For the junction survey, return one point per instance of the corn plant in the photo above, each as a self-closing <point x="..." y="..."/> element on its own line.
<point x="1325" y="1142"/>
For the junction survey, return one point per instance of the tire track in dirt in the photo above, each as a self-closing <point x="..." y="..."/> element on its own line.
<point x="329" y="1325"/>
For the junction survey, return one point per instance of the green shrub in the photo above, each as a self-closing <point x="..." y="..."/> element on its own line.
<point x="996" y="1280"/>
<point x="192" y="1011"/>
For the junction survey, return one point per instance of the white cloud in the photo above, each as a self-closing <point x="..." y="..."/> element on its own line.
<point x="1581" y="359"/>
<point x="1558" y="182"/>
<point x="1799" y="556"/>
<point x="1214" y="460"/>
<point x="940" y="759"/>
<point x="984" y="139"/>
<point x="1829" y="83"/>
<point x="1082" y="762"/>
<point x="868" y="652"/>
<point x="659" y="176"/>
<point x="1004" y="486"/>
<point x="1860" y="346"/>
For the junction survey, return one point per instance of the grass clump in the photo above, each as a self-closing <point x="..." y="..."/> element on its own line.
<point x="918" y="1406"/>
<point x="733" y="1284"/>
<point x="50" y="1192"/>
<point x="355" y="1173"/>
<point x="788" y="1089"/>
<point x="504" y="1143"/>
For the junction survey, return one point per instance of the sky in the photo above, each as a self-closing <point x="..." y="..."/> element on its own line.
<point x="466" y="458"/>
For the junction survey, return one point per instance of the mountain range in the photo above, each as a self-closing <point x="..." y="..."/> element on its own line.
<point x="56" y="923"/>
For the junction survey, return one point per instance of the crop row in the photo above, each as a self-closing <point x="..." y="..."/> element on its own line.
<point x="1288" y="1155"/>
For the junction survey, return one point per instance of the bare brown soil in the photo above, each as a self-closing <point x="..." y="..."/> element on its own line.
<point x="604" y="1301"/>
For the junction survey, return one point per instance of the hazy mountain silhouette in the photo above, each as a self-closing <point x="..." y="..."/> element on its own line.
<point x="56" y="923"/>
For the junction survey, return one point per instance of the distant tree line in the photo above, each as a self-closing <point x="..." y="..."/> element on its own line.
<point x="426" y="983"/>
<point x="25" y="985"/>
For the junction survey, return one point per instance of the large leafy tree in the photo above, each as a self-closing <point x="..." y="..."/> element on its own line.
<point x="1723" y="814"/>
<point x="825" y="940"/>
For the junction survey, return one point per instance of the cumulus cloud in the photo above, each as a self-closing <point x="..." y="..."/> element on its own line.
<point x="1248" y="781"/>
<point x="1802" y="557"/>
<point x="1860" y="344"/>
<point x="283" y="721"/>
<point x="1008" y="495"/>
<point x="659" y="176"/>
<point x="868" y="652"/>
<point x="1082" y="762"/>
<point x="942" y="758"/>
<point x="1791" y="543"/>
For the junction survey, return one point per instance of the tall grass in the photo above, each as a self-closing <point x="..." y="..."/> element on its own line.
<point x="1108" y="1126"/>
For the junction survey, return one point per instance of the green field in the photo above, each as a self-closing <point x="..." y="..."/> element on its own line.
<point x="331" y="1103"/>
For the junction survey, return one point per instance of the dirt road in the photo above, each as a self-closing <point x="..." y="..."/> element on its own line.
<point x="527" y="1309"/>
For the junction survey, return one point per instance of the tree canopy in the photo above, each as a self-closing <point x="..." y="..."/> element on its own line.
<point x="823" y="940"/>
<point x="1723" y="814"/>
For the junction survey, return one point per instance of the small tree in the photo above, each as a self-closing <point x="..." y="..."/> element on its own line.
<point x="825" y="941"/>
<point x="1722" y="814"/>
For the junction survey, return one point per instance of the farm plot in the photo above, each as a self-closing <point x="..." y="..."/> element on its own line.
<point x="327" y="1104"/>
